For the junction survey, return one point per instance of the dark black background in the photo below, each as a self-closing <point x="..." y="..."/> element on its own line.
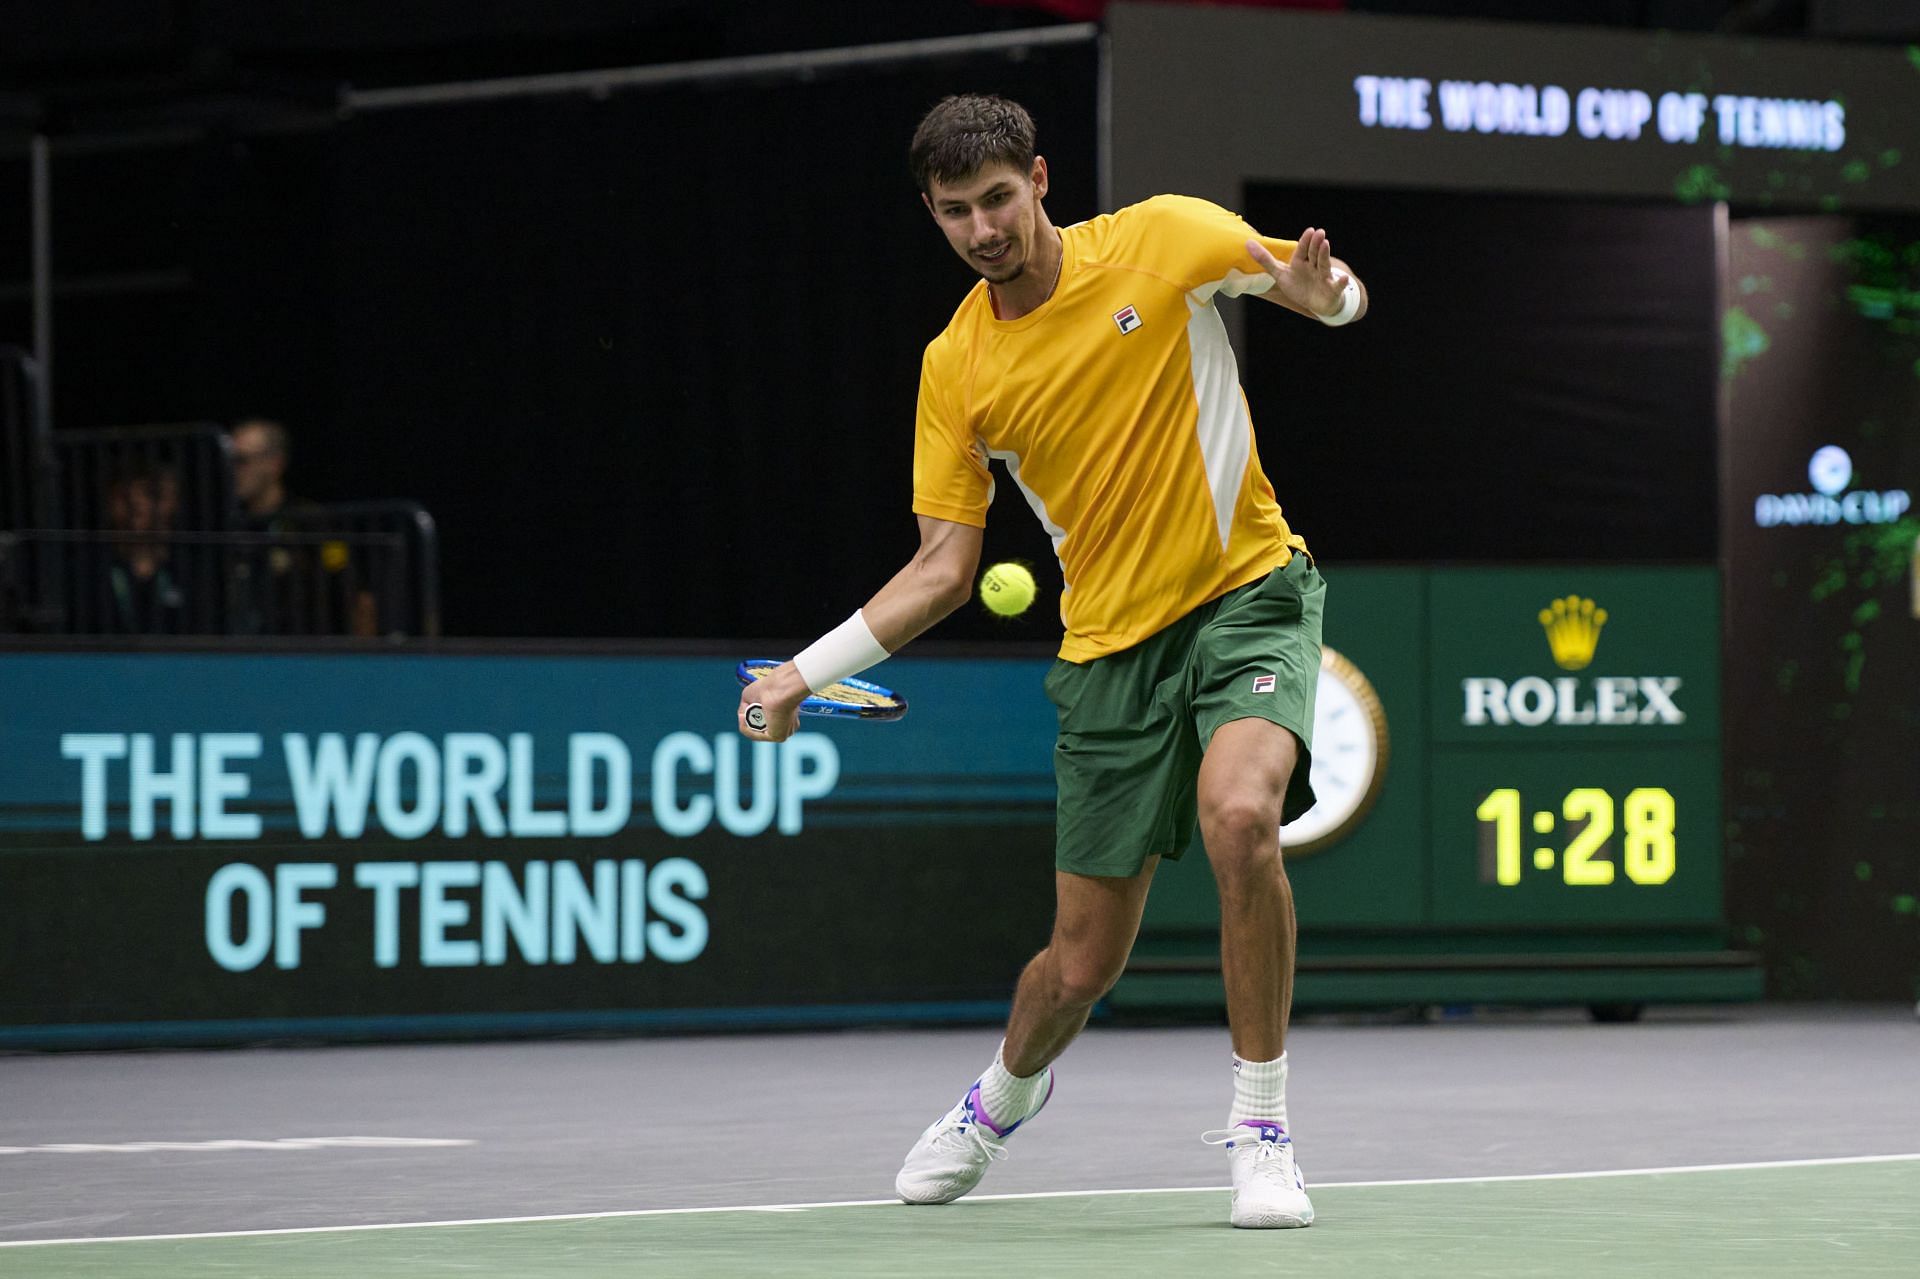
<point x="651" y="362"/>
<point x="1534" y="380"/>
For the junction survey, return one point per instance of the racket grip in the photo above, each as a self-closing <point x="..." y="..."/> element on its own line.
<point x="756" y="717"/>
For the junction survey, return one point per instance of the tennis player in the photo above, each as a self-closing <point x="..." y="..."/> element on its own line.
<point x="1092" y="362"/>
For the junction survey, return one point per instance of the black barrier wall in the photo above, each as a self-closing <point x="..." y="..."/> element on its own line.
<point x="1822" y="371"/>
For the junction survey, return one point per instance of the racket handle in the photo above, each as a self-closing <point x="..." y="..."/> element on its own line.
<point x="756" y="717"/>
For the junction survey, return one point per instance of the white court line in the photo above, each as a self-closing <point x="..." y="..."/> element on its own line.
<point x="227" y="1144"/>
<point x="1034" y="1194"/>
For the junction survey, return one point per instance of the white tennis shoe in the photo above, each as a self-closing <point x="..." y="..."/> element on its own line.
<point x="1269" y="1191"/>
<point x="956" y="1149"/>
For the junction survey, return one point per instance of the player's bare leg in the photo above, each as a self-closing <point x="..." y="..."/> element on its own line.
<point x="1095" y="921"/>
<point x="1243" y="781"/>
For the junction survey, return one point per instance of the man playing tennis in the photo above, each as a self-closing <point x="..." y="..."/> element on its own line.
<point x="1092" y="362"/>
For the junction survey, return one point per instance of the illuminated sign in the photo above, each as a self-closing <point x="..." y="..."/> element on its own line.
<point x="1599" y="112"/>
<point x="350" y="840"/>
<point x="1647" y="854"/>
<point x="1574" y="788"/>
<point x="1830" y="471"/>
<point x="410" y="785"/>
<point x="1572" y="626"/>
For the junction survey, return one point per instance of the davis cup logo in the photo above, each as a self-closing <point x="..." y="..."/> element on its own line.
<point x="1830" y="470"/>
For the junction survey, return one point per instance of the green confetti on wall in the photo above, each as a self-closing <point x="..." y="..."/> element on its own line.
<point x="1889" y="157"/>
<point x="1856" y="171"/>
<point x="1699" y="184"/>
<point x="1913" y="55"/>
<point x="1904" y="904"/>
<point x="1741" y="339"/>
<point x="1862" y="871"/>
<point x="1833" y="577"/>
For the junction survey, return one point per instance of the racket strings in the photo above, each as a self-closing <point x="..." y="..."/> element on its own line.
<point x="856" y="696"/>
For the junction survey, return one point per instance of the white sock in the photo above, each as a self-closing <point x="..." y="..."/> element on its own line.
<point x="1008" y="1098"/>
<point x="1259" y="1091"/>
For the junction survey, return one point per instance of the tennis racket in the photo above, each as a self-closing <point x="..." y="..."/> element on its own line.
<point x="844" y="699"/>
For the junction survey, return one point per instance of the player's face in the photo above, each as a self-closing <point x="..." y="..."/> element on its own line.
<point x="990" y="219"/>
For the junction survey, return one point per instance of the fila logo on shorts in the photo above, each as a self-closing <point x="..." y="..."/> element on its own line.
<point x="1263" y="683"/>
<point x="1127" y="318"/>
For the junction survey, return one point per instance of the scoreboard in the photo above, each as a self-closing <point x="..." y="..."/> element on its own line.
<point x="1574" y="772"/>
<point x="1531" y="799"/>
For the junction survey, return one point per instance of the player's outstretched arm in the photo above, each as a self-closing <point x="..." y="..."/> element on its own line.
<point x="936" y="581"/>
<point x="1313" y="282"/>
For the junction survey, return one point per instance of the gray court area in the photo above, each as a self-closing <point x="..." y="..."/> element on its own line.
<point x="621" y="1125"/>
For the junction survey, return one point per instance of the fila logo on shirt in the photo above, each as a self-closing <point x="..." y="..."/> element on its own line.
<point x="1127" y="318"/>
<point x="1263" y="683"/>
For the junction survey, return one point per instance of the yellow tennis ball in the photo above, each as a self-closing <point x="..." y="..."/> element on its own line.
<point x="1007" y="589"/>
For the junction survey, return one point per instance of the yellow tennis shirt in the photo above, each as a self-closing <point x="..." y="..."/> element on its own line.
<point x="1117" y="409"/>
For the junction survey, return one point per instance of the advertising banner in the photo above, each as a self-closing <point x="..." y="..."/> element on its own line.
<point x="351" y="844"/>
<point x="1488" y="106"/>
<point x="1576" y="759"/>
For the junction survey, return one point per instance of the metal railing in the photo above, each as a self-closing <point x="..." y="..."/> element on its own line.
<point x="306" y="582"/>
<point x="169" y="477"/>
<point x="138" y="531"/>
<point x="413" y="601"/>
<point x="27" y="465"/>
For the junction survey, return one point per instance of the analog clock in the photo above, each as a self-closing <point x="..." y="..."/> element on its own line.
<point x="1349" y="757"/>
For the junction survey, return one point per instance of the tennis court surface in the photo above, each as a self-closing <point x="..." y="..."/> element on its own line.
<point x="1699" y="1142"/>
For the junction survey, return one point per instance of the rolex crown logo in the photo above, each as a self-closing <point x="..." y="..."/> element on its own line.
<point x="1573" y="631"/>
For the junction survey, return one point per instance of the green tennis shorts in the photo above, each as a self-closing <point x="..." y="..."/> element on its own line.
<point x="1134" y="725"/>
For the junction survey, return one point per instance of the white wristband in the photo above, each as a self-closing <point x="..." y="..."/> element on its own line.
<point x="847" y="649"/>
<point x="1349" y="306"/>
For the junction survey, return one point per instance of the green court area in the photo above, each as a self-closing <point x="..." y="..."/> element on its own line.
<point x="1832" y="1219"/>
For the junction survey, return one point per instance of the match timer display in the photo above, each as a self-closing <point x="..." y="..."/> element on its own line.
<point x="1646" y="854"/>
<point x="1574" y="773"/>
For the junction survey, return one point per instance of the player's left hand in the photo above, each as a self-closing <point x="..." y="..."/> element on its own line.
<point x="1309" y="279"/>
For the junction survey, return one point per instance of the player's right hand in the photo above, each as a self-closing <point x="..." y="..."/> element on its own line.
<point x="778" y="695"/>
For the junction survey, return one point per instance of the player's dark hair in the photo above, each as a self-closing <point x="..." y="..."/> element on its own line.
<point x="965" y="133"/>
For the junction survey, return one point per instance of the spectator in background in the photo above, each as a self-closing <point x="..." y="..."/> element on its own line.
<point x="140" y="594"/>
<point x="261" y="450"/>
<point x="297" y="587"/>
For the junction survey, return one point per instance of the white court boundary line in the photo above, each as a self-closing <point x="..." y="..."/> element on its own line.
<point x="1033" y="1194"/>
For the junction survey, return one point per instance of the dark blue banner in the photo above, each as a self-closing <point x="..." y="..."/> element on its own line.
<point x="371" y="844"/>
